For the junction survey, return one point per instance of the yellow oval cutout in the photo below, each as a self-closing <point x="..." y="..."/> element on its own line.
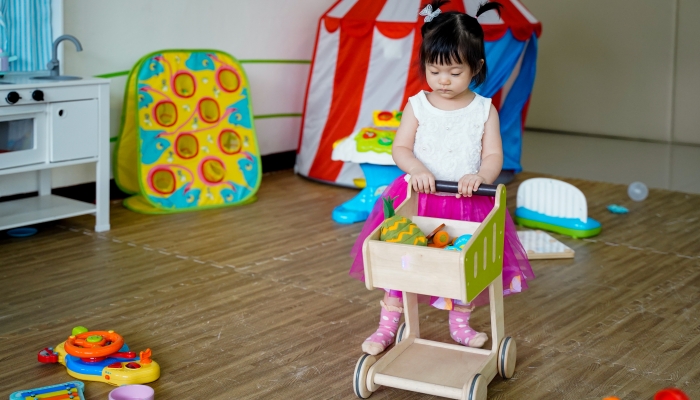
<point x="163" y="181"/>
<point x="228" y="80"/>
<point x="165" y="113"/>
<point x="184" y="84"/>
<point x="209" y="110"/>
<point x="230" y="142"/>
<point x="213" y="171"/>
<point x="186" y="146"/>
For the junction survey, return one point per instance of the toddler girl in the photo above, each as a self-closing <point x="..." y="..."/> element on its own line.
<point x="450" y="134"/>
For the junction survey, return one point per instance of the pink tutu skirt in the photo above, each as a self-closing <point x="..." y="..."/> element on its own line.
<point x="516" y="267"/>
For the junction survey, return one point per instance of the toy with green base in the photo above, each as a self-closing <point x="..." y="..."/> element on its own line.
<point x="555" y="206"/>
<point x="436" y="368"/>
<point x="187" y="140"/>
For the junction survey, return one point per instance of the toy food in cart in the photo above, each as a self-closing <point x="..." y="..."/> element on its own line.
<point x="459" y="242"/>
<point x="398" y="229"/>
<point x="440" y="240"/>
<point x="68" y="390"/>
<point x="436" y="230"/>
<point x="101" y="356"/>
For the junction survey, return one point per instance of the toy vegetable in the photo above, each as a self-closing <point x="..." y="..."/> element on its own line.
<point x="441" y="239"/>
<point x="398" y="229"/>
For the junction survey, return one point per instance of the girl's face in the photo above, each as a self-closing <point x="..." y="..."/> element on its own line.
<point x="448" y="81"/>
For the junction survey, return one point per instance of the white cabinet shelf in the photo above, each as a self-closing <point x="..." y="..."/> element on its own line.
<point x="38" y="209"/>
<point x="40" y="166"/>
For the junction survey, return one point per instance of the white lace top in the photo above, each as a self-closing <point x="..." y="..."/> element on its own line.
<point x="448" y="143"/>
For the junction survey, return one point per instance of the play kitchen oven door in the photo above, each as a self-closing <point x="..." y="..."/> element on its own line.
<point x="23" y="135"/>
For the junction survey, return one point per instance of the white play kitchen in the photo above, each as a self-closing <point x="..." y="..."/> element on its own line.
<point x="48" y="122"/>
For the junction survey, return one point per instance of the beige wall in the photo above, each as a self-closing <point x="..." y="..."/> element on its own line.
<point x="115" y="34"/>
<point x="686" y="101"/>
<point x="626" y="68"/>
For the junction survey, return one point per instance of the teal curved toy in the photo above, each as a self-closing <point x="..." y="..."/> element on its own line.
<point x="573" y="227"/>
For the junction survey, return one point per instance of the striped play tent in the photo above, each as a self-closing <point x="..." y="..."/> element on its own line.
<point x="365" y="59"/>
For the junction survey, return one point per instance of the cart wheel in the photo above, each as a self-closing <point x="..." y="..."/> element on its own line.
<point x="475" y="389"/>
<point x="400" y="333"/>
<point x="506" y="357"/>
<point x="359" y="378"/>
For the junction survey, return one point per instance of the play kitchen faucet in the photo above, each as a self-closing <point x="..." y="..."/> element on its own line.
<point x="54" y="65"/>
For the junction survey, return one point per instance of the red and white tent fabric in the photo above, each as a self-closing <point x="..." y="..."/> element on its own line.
<point x="365" y="60"/>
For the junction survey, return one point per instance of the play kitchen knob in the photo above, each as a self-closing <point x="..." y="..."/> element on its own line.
<point x="12" y="98"/>
<point x="38" y="95"/>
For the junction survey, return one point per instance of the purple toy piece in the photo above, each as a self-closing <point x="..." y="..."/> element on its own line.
<point x="132" y="392"/>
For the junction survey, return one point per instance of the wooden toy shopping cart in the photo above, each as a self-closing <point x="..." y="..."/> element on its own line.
<point x="426" y="366"/>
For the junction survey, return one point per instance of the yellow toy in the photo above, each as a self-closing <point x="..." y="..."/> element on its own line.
<point x="425" y="366"/>
<point x="101" y="356"/>
<point x="390" y="119"/>
<point x="187" y="140"/>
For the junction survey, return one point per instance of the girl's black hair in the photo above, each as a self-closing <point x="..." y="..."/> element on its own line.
<point x="455" y="37"/>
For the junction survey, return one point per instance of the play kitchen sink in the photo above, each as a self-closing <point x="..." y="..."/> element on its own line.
<point x="54" y="66"/>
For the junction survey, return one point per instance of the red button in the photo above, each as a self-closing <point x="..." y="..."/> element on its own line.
<point x="125" y="354"/>
<point x="133" y="365"/>
<point x="115" y="365"/>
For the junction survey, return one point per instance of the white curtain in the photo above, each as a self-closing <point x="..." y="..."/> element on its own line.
<point x="25" y="32"/>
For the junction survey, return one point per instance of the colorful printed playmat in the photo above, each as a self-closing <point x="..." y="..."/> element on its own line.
<point x="188" y="139"/>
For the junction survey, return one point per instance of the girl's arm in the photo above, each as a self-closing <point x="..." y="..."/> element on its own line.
<point x="491" y="148"/>
<point x="491" y="157"/>
<point x="422" y="180"/>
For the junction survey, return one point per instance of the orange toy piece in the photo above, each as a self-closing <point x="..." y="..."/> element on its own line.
<point x="436" y="230"/>
<point x="145" y="356"/>
<point x="612" y="398"/>
<point x="441" y="239"/>
<point x="94" y="344"/>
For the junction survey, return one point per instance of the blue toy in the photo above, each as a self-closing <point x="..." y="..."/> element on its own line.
<point x="357" y="209"/>
<point x="459" y="243"/>
<point x="616" y="209"/>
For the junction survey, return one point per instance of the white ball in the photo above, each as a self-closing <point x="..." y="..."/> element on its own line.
<point x="637" y="191"/>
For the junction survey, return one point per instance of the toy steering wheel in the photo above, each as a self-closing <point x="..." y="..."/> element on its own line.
<point x="94" y="344"/>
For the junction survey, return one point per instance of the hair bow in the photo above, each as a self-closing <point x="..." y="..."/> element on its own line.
<point x="429" y="13"/>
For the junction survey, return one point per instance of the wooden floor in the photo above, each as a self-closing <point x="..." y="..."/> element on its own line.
<point x="255" y="302"/>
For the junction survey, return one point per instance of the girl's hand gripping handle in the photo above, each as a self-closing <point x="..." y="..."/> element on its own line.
<point x="452" y="187"/>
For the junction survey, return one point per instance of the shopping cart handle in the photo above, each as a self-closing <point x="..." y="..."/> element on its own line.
<point x="451" y="187"/>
